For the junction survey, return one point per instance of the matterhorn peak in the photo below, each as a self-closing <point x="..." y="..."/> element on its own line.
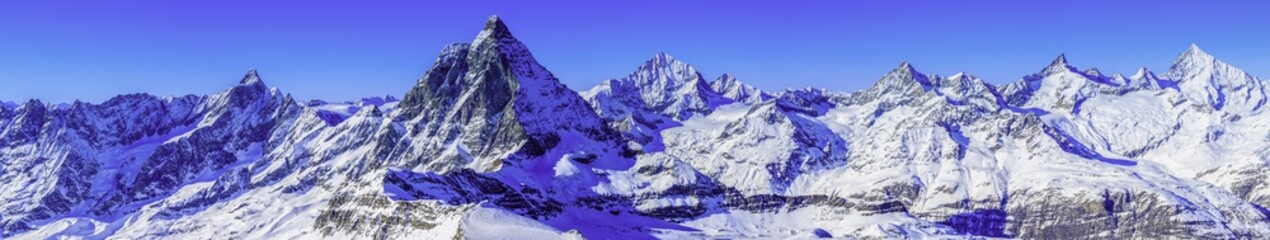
<point x="495" y="28"/>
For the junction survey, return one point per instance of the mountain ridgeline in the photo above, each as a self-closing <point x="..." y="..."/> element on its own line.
<point x="490" y="145"/>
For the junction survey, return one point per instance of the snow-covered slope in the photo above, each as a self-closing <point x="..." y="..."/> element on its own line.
<point x="490" y="145"/>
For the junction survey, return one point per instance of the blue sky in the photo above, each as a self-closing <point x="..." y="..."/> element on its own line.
<point x="343" y="50"/>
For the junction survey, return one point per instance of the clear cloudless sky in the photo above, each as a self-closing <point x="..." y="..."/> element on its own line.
<point x="61" y="51"/>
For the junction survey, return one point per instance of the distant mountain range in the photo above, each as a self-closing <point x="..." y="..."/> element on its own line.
<point x="490" y="145"/>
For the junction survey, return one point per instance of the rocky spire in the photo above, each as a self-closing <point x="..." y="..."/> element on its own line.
<point x="494" y="89"/>
<point x="902" y="78"/>
<point x="667" y="86"/>
<point x="1059" y="65"/>
<point x="494" y="28"/>
<point x="251" y="78"/>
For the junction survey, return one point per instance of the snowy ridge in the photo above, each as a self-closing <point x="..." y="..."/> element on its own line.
<point x="489" y="144"/>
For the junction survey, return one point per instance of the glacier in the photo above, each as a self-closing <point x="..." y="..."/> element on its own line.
<point x="489" y="144"/>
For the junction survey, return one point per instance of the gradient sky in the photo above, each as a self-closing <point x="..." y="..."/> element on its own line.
<point x="60" y="51"/>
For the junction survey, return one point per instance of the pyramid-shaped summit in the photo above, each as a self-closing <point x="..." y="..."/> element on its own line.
<point x="1203" y="78"/>
<point x="495" y="28"/>
<point x="492" y="97"/>
<point x="1059" y="64"/>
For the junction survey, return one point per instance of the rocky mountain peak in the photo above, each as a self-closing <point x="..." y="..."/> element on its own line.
<point x="251" y="78"/>
<point x="1194" y="53"/>
<point x="665" y="70"/>
<point x="729" y="87"/>
<point x="904" y="78"/>
<point x="494" y="28"/>
<point x="1059" y="65"/>
<point x="1203" y="78"/>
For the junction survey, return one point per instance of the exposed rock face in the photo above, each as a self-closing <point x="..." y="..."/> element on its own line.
<point x="489" y="144"/>
<point x="495" y="103"/>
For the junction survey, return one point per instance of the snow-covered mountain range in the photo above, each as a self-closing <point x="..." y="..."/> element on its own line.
<point x="490" y="145"/>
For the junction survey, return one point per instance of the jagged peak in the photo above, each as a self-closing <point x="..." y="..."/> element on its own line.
<point x="730" y="87"/>
<point x="905" y="66"/>
<point x="905" y="69"/>
<point x="251" y="78"/>
<point x="961" y="80"/>
<point x="664" y="67"/>
<point x="1143" y="73"/>
<point x="663" y="59"/>
<point x="727" y="77"/>
<point x="495" y="28"/>
<point x="1118" y="77"/>
<point x="903" y="75"/>
<point x="32" y="103"/>
<point x="1195" y="63"/>
<point x="968" y="78"/>
<point x="1194" y="56"/>
<point x="1093" y="72"/>
<point x="1194" y="49"/>
<point x="1059" y="64"/>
